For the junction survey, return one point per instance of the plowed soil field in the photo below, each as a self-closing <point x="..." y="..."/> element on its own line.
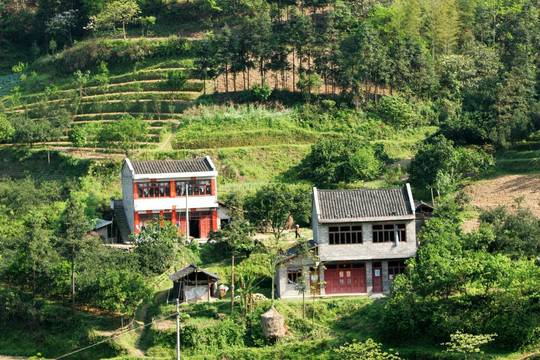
<point x="505" y="191"/>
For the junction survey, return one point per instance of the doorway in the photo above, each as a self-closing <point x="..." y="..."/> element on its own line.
<point x="377" y="277"/>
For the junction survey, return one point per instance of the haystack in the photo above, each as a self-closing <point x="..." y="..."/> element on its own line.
<point x="272" y="324"/>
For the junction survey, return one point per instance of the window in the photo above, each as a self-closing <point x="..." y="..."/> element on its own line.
<point x="154" y="189"/>
<point x="395" y="268"/>
<point x="389" y="232"/>
<point x="144" y="219"/>
<point x="293" y="274"/>
<point x="195" y="188"/>
<point x="347" y="234"/>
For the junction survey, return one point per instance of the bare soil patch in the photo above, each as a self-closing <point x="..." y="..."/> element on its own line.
<point x="504" y="191"/>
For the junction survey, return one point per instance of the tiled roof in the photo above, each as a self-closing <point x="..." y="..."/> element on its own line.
<point x="364" y="203"/>
<point x="171" y="166"/>
<point x="190" y="269"/>
<point x="292" y="251"/>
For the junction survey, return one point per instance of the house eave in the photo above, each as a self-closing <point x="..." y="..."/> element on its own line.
<point x="367" y="219"/>
<point x="184" y="175"/>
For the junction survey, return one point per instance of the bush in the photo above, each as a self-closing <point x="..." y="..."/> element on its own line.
<point x="334" y="161"/>
<point x="396" y="111"/>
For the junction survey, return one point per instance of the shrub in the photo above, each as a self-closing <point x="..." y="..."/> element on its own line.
<point x="395" y="110"/>
<point x="331" y="162"/>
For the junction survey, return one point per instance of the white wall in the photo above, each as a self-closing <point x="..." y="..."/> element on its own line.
<point x="194" y="202"/>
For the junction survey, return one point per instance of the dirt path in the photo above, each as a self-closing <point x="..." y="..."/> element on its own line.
<point x="505" y="191"/>
<point x="162" y="147"/>
<point x="141" y="319"/>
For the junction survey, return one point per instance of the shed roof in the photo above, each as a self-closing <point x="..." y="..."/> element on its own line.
<point x="191" y="269"/>
<point x="172" y="166"/>
<point x="293" y="252"/>
<point x="364" y="204"/>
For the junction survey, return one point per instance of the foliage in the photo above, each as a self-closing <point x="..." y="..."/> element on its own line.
<point x="467" y="343"/>
<point x="175" y="79"/>
<point x="123" y="134"/>
<point x="515" y="234"/>
<point x="118" y="12"/>
<point x="261" y="92"/>
<point x="272" y="205"/>
<point x="368" y="350"/>
<point x="63" y="23"/>
<point x="332" y="161"/>
<point x="439" y="163"/>
<point x="121" y="291"/>
<point x="397" y="112"/>
<point x="6" y="130"/>
<point x="157" y="247"/>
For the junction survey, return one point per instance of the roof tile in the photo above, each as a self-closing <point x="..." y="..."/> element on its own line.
<point x="364" y="203"/>
<point x="171" y="166"/>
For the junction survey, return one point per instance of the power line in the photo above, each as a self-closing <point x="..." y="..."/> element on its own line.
<point x="113" y="337"/>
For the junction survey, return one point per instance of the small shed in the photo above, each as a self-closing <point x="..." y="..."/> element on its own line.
<point x="423" y="212"/>
<point x="193" y="284"/>
<point x="103" y="228"/>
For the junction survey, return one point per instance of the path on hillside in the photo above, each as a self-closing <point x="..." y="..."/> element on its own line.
<point x="162" y="147"/>
<point x="141" y="320"/>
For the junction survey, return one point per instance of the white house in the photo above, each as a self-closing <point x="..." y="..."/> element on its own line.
<point x="181" y="191"/>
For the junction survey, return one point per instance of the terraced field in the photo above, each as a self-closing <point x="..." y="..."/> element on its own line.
<point x="144" y="93"/>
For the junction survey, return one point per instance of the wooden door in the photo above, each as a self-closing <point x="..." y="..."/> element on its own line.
<point x="346" y="279"/>
<point x="377" y="277"/>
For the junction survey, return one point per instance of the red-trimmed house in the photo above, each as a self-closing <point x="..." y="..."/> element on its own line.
<point x="362" y="238"/>
<point x="170" y="189"/>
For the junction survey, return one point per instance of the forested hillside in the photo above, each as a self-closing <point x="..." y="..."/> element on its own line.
<point x="283" y="96"/>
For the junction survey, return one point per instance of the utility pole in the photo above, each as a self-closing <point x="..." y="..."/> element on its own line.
<point x="177" y="329"/>
<point x="187" y="212"/>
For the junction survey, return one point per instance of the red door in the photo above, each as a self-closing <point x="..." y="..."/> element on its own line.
<point x="345" y="278"/>
<point x="377" y="277"/>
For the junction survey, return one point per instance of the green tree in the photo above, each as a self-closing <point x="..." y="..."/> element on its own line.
<point x="124" y="134"/>
<point x="121" y="291"/>
<point x="467" y="343"/>
<point x="368" y="350"/>
<point x="6" y="129"/>
<point x="118" y="12"/>
<point x="74" y="228"/>
<point x="237" y="237"/>
<point x="157" y="245"/>
<point x="205" y="58"/>
<point x="63" y="23"/>
<point x="272" y="206"/>
<point x="331" y="162"/>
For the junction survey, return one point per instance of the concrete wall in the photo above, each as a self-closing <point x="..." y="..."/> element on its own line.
<point x="127" y="196"/>
<point x="368" y="250"/>
<point x="284" y="290"/>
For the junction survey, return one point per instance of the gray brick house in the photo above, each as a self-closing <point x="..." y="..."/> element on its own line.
<point x="362" y="238"/>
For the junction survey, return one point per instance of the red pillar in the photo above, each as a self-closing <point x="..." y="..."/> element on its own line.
<point x="137" y="228"/>
<point x="214" y="220"/>
<point x="213" y="183"/>
<point x="173" y="188"/>
<point x="135" y="192"/>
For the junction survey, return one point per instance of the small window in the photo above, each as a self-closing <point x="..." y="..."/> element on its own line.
<point x="389" y="233"/>
<point x="293" y="274"/>
<point x="395" y="268"/>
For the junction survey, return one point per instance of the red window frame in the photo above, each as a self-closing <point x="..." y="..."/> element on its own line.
<point x="195" y="187"/>
<point x="154" y="190"/>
